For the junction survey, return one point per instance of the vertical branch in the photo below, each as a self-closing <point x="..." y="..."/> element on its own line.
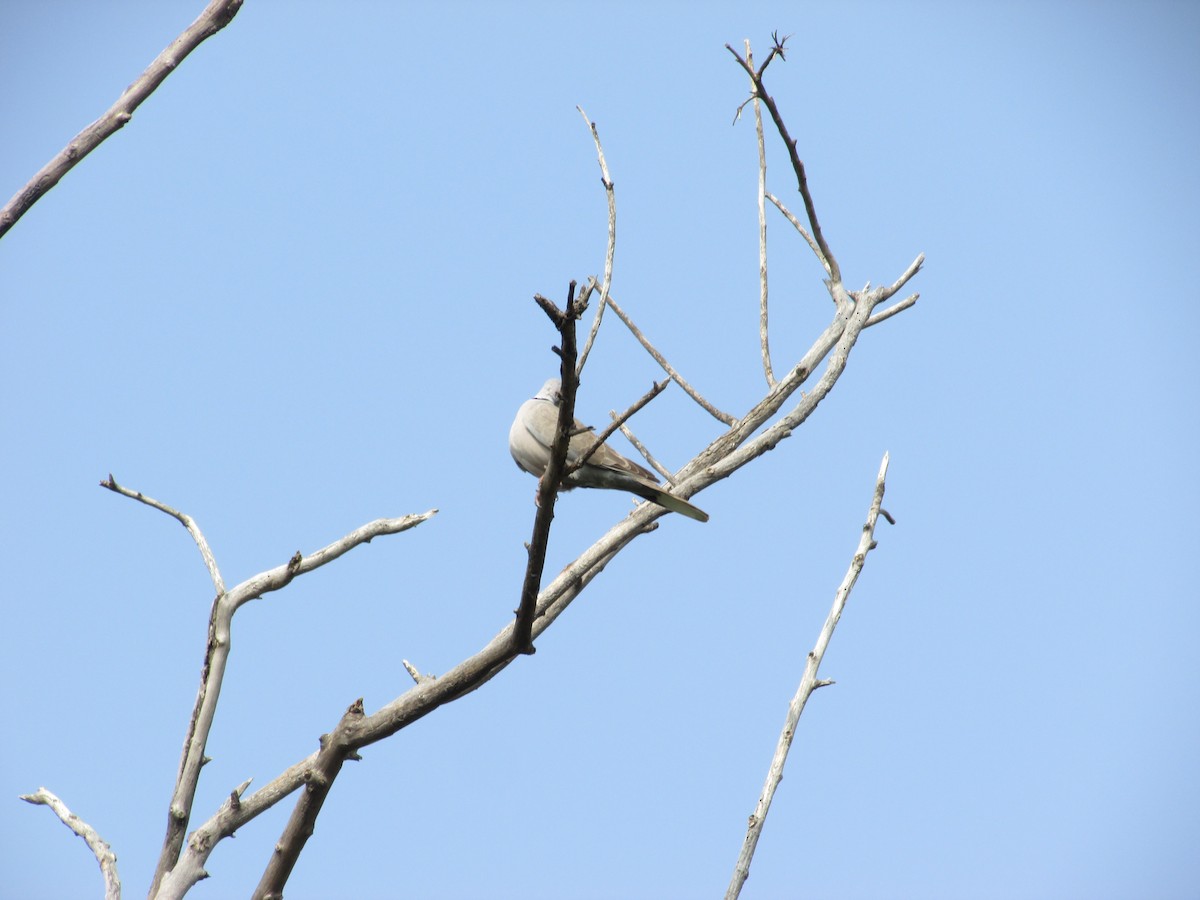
<point x="564" y="321"/>
<point x="808" y="684"/>
<point x="609" y="252"/>
<point x="762" y="232"/>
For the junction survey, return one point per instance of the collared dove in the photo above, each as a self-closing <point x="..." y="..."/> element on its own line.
<point x="532" y="433"/>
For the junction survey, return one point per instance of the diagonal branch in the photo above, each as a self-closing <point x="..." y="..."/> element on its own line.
<point x="216" y="16"/>
<point x="618" y="422"/>
<point x="800" y="228"/>
<point x="333" y="753"/>
<point x="99" y="847"/>
<point x="675" y="376"/>
<point x="808" y="684"/>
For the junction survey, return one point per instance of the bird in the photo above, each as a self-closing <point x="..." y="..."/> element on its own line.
<point x="532" y="433"/>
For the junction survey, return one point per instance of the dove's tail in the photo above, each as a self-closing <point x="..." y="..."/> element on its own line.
<point x="673" y="503"/>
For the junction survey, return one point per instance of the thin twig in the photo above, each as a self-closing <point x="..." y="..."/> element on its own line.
<point x="803" y="231"/>
<point x="913" y="268"/>
<point x="797" y="166"/>
<point x="99" y="847"/>
<point x="892" y="310"/>
<point x="618" y="421"/>
<point x="658" y="467"/>
<point x="808" y="684"/>
<point x="216" y="16"/>
<point x="611" y="249"/>
<point x="675" y="376"/>
<point x="764" y="343"/>
<point x="210" y="561"/>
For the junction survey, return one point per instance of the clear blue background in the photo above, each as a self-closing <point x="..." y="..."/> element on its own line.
<point x="293" y="295"/>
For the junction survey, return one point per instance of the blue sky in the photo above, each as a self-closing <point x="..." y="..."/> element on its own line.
<point x="293" y="295"/>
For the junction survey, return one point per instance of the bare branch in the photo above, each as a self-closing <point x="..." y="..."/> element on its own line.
<point x="764" y="343"/>
<point x="99" y="847"/>
<point x="885" y="314"/>
<point x="216" y="16"/>
<point x="618" y="421"/>
<point x="334" y="752"/>
<point x="803" y="232"/>
<point x="790" y="142"/>
<point x="658" y="467"/>
<point x="612" y="243"/>
<point x="808" y="683"/>
<point x="675" y="376"/>
<point x="913" y="268"/>
<point x="187" y="521"/>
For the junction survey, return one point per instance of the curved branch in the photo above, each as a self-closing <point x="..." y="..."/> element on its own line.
<point x="216" y="16"/>
<point x="187" y="521"/>
<point x="99" y="847"/>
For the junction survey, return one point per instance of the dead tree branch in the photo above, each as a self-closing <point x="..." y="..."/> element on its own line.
<point x="618" y="422"/>
<point x="216" y="16"/>
<point x="666" y="366"/>
<point x="99" y="847"/>
<point x="808" y="684"/>
<point x="216" y="657"/>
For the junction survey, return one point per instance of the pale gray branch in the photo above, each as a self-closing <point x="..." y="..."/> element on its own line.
<point x="611" y="249"/>
<point x="216" y="16"/>
<point x="646" y="454"/>
<point x="886" y="314"/>
<point x="764" y="343"/>
<point x="99" y="847"/>
<point x="803" y="231"/>
<point x="661" y="360"/>
<point x="210" y="561"/>
<point x="913" y="268"/>
<point x="808" y="683"/>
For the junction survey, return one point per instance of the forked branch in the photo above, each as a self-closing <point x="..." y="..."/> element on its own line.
<point x="756" y="78"/>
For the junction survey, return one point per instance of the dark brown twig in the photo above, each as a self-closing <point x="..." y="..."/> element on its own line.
<point x="564" y="321"/>
<point x="835" y="272"/>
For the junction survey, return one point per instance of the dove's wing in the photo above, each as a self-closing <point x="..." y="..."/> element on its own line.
<point x="532" y="433"/>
